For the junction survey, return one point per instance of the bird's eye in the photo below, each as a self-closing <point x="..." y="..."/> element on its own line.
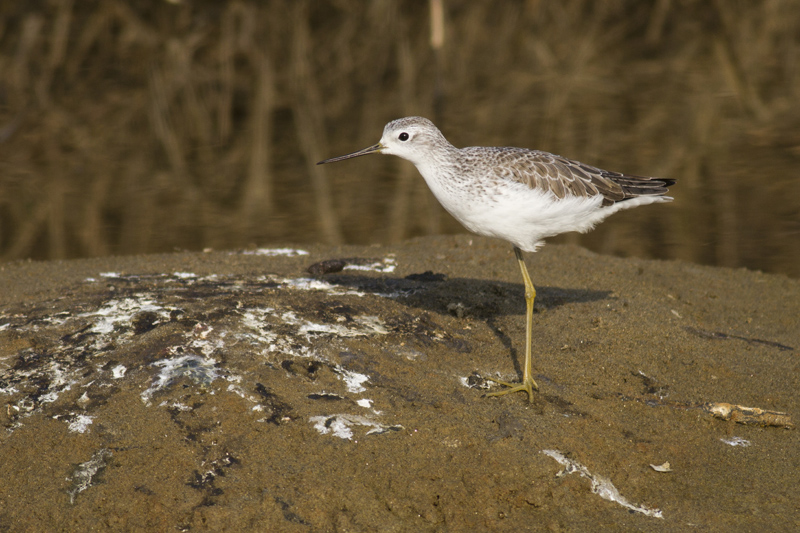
<point x="403" y="136"/>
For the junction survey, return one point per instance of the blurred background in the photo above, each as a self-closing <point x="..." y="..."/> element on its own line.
<point x="148" y="126"/>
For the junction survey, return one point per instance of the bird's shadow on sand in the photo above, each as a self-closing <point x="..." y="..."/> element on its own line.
<point x="480" y="299"/>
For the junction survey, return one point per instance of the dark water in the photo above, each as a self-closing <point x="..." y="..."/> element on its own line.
<point x="161" y="126"/>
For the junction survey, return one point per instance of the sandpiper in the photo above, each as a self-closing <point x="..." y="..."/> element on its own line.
<point x="519" y="195"/>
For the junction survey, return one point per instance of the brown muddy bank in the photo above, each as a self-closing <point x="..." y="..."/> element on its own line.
<point x="233" y="391"/>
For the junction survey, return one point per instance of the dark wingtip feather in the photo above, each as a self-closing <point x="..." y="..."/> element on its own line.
<point x="635" y="186"/>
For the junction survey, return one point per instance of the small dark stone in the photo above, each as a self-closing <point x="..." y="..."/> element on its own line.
<point x="144" y="322"/>
<point x="326" y="267"/>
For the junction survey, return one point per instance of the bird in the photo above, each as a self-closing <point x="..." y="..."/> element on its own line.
<point x="519" y="195"/>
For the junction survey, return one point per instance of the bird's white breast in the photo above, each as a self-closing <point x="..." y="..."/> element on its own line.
<point x="513" y="211"/>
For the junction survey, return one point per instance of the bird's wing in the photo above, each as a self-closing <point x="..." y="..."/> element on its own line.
<point x="565" y="177"/>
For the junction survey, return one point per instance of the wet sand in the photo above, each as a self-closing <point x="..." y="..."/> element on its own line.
<point x="235" y="391"/>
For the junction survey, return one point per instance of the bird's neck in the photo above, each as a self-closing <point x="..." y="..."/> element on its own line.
<point x="444" y="174"/>
<point x="438" y="164"/>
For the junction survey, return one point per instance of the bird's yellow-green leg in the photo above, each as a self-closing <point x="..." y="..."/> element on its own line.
<point x="528" y="384"/>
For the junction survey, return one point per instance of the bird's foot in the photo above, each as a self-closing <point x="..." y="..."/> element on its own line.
<point x="528" y="385"/>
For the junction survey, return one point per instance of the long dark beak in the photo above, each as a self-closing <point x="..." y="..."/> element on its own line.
<point x="374" y="149"/>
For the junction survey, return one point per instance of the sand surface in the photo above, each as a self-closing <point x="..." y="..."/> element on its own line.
<point x="234" y="391"/>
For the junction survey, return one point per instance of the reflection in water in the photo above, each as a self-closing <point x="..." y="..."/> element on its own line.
<point x="197" y="125"/>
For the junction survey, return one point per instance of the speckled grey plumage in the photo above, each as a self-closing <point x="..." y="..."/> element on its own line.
<point x="516" y="194"/>
<point x="535" y="168"/>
